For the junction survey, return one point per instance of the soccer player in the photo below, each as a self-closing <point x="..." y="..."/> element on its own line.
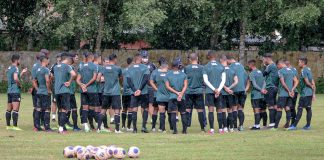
<point x="126" y="99"/>
<point x="214" y="78"/>
<point x="111" y="95"/>
<point x="157" y="82"/>
<point x="54" y="107"/>
<point x="86" y="79"/>
<point x="137" y="79"/>
<point x="272" y="79"/>
<point x="287" y="86"/>
<point x="228" y="97"/>
<point x="257" y="93"/>
<point x="64" y="75"/>
<point x="176" y="82"/>
<point x="42" y="85"/>
<point x="294" y="100"/>
<point x="239" y="91"/>
<point x="307" y="94"/>
<point x="14" y="86"/>
<point x="194" y="93"/>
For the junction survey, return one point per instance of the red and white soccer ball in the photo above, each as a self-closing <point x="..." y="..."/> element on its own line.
<point x="101" y="154"/>
<point x="133" y="152"/>
<point x="68" y="152"/>
<point x="119" y="153"/>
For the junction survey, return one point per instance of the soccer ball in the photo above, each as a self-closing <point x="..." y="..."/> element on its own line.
<point x="110" y="151"/>
<point x="81" y="152"/>
<point x="133" y="152"/>
<point x="68" y="152"/>
<point x="86" y="155"/>
<point x="93" y="151"/>
<point x="101" y="154"/>
<point x="76" y="149"/>
<point x="119" y="153"/>
<point x="102" y="147"/>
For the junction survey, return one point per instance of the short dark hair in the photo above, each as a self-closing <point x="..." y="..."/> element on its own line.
<point x="211" y="53"/>
<point x="42" y="58"/>
<point x="15" y="57"/>
<point x="175" y="64"/>
<point x="252" y="61"/>
<point x="280" y="61"/>
<point x="96" y="55"/>
<point x="129" y="60"/>
<point x="112" y="56"/>
<point x="223" y="57"/>
<point x="303" y="59"/>
<point x="229" y="56"/>
<point x="267" y="55"/>
<point x="162" y="61"/>
<point x="86" y="54"/>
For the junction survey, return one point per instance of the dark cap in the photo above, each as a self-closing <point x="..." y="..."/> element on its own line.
<point x="144" y="53"/>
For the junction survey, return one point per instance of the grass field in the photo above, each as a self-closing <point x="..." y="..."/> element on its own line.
<point x="240" y="145"/>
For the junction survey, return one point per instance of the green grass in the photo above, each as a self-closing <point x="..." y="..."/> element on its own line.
<point x="241" y="145"/>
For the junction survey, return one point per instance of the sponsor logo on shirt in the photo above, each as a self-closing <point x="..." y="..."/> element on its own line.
<point x="136" y="65"/>
<point x="162" y="74"/>
<point x="214" y="64"/>
<point x="194" y="66"/>
<point x="176" y="72"/>
<point x="108" y="67"/>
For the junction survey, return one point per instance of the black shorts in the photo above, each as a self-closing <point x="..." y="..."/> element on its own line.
<point x="241" y="98"/>
<point x="194" y="101"/>
<point x="228" y="101"/>
<point x="305" y="102"/>
<point x="151" y="95"/>
<point x="90" y="99"/>
<point x="155" y="104"/>
<point x="294" y="100"/>
<point x="126" y="101"/>
<point x="14" y="97"/>
<point x="263" y="105"/>
<point x="43" y="101"/>
<point x="111" y="101"/>
<point x="53" y="98"/>
<point x="34" y="97"/>
<point x="257" y="103"/>
<point x="271" y="96"/>
<point x="100" y="97"/>
<point x="284" y="102"/>
<point x="212" y="101"/>
<point x="175" y="105"/>
<point x="73" y="104"/>
<point x="63" y="101"/>
<point x="142" y="100"/>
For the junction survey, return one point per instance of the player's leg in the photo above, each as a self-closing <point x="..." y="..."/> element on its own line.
<point x="234" y="111"/>
<point x="47" y="114"/>
<point x="288" y="112"/>
<point x="270" y="99"/>
<point x="161" y="107"/>
<point x="210" y="102"/>
<point x="64" y="107"/>
<point x="224" y="109"/>
<point x="74" y="112"/>
<point x="54" y="108"/>
<point x="154" y="115"/>
<point x="263" y="113"/>
<point x="34" y="101"/>
<point x="189" y="107"/>
<point x="37" y="112"/>
<point x="240" y="110"/>
<point x="134" y="108"/>
<point x="181" y="108"/>
<point x="15" y="111"/>
<point x="85" y="113"/>
<point x="151" y="107"/>
<point x="282" y="104"/>
<point x="116" y="106"/>
<point x="144" y="99"/>
<point x="106" y="103"/>
<point x="309" y="113"/>
<point x="293" y="108"/>
<point x="172" y="109"/>
<point x="8" y="112"/>
<point x="256" y="109"/>
<point x="200" y="106"/>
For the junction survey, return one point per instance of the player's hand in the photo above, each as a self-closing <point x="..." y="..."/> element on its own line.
<point x="217" y="95"/>
<point x="137" y="93"/>
<point x="291" y="94"/>
<point x="216" y="91"/>
<point x="67" y="84"/>
<point x="24" y="70"/>
<point x="314" y="97"/>
<point x="263" y="91"/>
<point x="49" y="92"/>
<point x="102" y="79"/>
<point x="30" y="90"/>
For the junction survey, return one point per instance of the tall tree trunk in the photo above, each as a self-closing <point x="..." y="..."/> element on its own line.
<point x="242" y="41"/>
<point x="101" y="24"/>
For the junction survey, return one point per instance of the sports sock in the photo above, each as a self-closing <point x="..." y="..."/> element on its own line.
<point x="169" y="120"/>
<point x="134" y="119"/>
<point x="75" y="118"/>
<point x="272" y="115"/>
<point x="124" y="116"/>
<point x="8" y="117"/>
<point x="68" y="115"/>
<point x="15" y="118"/>
<point x="220" y="120"/>
<point x="58" y="118"/>
<point x="34" y="111"/>
<point x="90" y="118"/>
<point x="235" y="118"/>
<point x="211" y="119"/>
<point x="293" y="115"/>
<point x="63" y="120"/>
<point x="174" y="122"/>
<point x="47" y="119"/>
<point x="308" y="116"/>
<point x="277" y="120"/>
<point x="96" y="116"/>
<point x="129" y="119"/>
<point x="42" y="113"/>
<point x="84" y="117"/>
<point x="117" y="121"/>
<point x="184" y="122"/>
<point x="288" y="116"/>
<point x="241" y="117"/>
<point x="201" y="120"/>
<point x="230" y="120"/>
<point x="264" y="118"/>
<point x="298" y="116"/>
<point x="37" y="119"/>
<point x="105" y="121"/>
<point x="162" y="121"/>
<point x="189" y="116"/>
<point x="100" y="118"/>
<point x="154" y="119"/>
<point x="145" y="116"/>
<point x="224" y="119"/>
<point x="257" y="118"/>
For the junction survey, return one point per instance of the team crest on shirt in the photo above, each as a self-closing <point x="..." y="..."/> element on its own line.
<point x="288" y="69"/>
<point x="259" y="71"/>
<point x="148" y="66"/>
<point x="34" y="65"/>
<point x="237" y="63"/>
<point x="9" y="67"/>
<point x="38" y="69"/>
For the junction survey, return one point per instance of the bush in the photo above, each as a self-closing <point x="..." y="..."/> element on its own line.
<point x="320" y="85"/>
<point x="24" y="89"/>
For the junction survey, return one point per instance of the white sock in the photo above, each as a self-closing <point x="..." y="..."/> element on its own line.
<point x="112" y="119"/>
<point x="257" y="126"/>
<point x="212" y="130"/>
<point x="177" y="117"/>
<point x="85" y="125"/>
<point x="53" y="116"/>
<point x="61" y="129"/>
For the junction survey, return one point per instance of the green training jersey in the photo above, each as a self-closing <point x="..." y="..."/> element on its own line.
<point x="288" y="75"/>
<point x="230" y="74"/>
<point x="73" y="83"/>
<point x="35" y="69"/>
<point x="136" y="73"/>
<point x="214" y="71"/>
<point x="304" y="89"/>
<point x="62" y="74"/>
<point x="127" y="91"/>
<point x="176" y="80"/>
<point x="257" y="80"/>
<point x="87" y="70"/>
<point x="194" y="74"/>
<point x="100" y="85"/>
<point x="41" y="74"/>
<point x="12" y="85"/>
<point x="271" y="75"/>
<point x="241" y="75"/>
<point x="296" y="75"/>
<point x="162" y="94"/>
<point x="111" y="73"/>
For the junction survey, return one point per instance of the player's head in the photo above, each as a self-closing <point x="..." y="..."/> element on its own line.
<point x="163" y="62"/>
<point x="287" y="62"/>
<point x="267" y="58"/>
<point x="73" y="56"/>
<point x="58" y="57"/>
<point x="145" y="56"/>
<point x="193" y="57"/>
<point x="76" y="58"/>
<point x="138" y="58"/>
<point x="302" y="61"/>
<point x="87" y="56"/>
<point x="44" y="60"/>
<point x="112" y="58"/>
<point x="45" y="52"/>
<point x="230" y="59"/>
<point x="129" y="60"/>
<point x="15" y="58"/>
<point x="175" y="64"/>
<point x="38" y="55"/>
<point x="179" y="62"/>
<point x="67" y="58"/>
<point x="211" y="55"/>
<point x="97" y="58"/>
<point x="281" y="64"/>
<point x="251" y="64"/>
<point x="223" y="59"/>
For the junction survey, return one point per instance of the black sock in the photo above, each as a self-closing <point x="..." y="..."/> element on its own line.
<point x="34" y="111"/>
<point x="189" y="116"/>
<point x="201" y="120"/>
<point x="75" y="118"/>
<point x="63" y="120"/>
<point x="224" y="119"/>
<point x="129" y="119"/>
<point x="264" y="118"/>
<point x="8" y="117"/>
<point x="162" y="121"/>
<point x="169" y="120"/>
<point x="105" y="121"/>
<point x="154" y="119"/>
<point x="235" y="118"/>
<point x="84" y="117"/>
<point x="184" y="122"/>
<point x="124" y="116"/>
<point x="134" y="118"/>
<point x="308" y="116"/>
<point x="96" y="116"/>
<point x="58" y="118"/>
<point x="230" y="120"/>
<point x="288" y="116"/>
<point x="298" y="116"/>
<point x="211" y="119"/>
<point x="257" y="118"/>
<point x="272" y="115"/>
<point x="241" y="117"/>
<point x="15" y="118"/>
<point x="90" y="118"/>
<point x="42" y="113"/>
<point x="100" y="119"/>
<point x="174" y="121"/>
<point x="117" y="121"/>
<point x="220" y="120"/>
<point x="68" y="115"/>
<point x="293" y="115"/>
<point x="47" y="120"/>
<point x="278" y="117"/>
<point x="145" y="116"/>
<point x="37" y="119"/>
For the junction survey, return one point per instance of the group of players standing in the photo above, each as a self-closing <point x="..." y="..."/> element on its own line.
<point x="222" y="83"/>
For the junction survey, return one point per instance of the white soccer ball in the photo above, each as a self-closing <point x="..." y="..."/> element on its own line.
<point x="93" y="152"/>
<point x="119" y="153"/>
<point x="86" y="155"/>
<point x="110" y="151"/>
<point x="101" y="154"/>
<point x="81" y="152"/>
<point x="133" y="152"/>
<point x="103" y="147"/>
<point x="76" y="149"/>
<point x="68" y="152"/>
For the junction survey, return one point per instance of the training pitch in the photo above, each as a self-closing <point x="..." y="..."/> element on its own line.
<point x="265" y="144"/>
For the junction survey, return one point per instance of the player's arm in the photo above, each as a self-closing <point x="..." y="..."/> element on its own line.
<point x="234" y="83"/>
<point x="284" y="85"/>
<point x="185" y="86"/>
<point x="35" y="84"/>
<point x="153" y="85"/>
<point x="308" y="83"/>
<point x="99" y="77"/>
<point x="222" y="84"/>
<point x="16" y="79"/>
<point x="295" y="83"/>
<point x="247" y="85"/>
<point x="78" y="80"/>
<point x="92" y="80"/>
<point x="72" y="77"/>
<point x="208" y="84"/>
<point x="23" y="72"/>
<point x="131" y="84"/>
<point x="254" y="84"/>
<point x="314" y="87"/>
<point x="167" y="85"/>
<point x="144" y="81"/>
<point x="48" y="83"/>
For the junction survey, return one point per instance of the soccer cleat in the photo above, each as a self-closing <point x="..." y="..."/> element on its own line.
<point x="241" y="128"/>
<point x="103" y="131"/>
<point x="203" y="131"/>
<point x="225" y="130"/>
<point x="118" y="132"/>
<point x="271" y="125"/>
<point x="286" y="125"/>
<point x="123" y="129"/>
<point x="135" y="130"/>
<point x="255" y="128"/>
<point x="306" y="128"/>
<point x="16" y="128"/>
<point x="220" y="131"/>
<point x="54" y="128"/>
<point x="211" y="132"/>
<point x="175" y="132"/>
<point x="112" y="121"/>
<point x="8" y="127"/>
<point x="274" y="129"/>
<point x="129" y="130"/>
<point x="68" y="127"/>
<point x="153" y="130"/>
<point x="292" y="128"/>
<point x="76" y="129"/>
<point x="231" y="130"/>
<point x="184" y="132"/>
<point x="144" y="130"/>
